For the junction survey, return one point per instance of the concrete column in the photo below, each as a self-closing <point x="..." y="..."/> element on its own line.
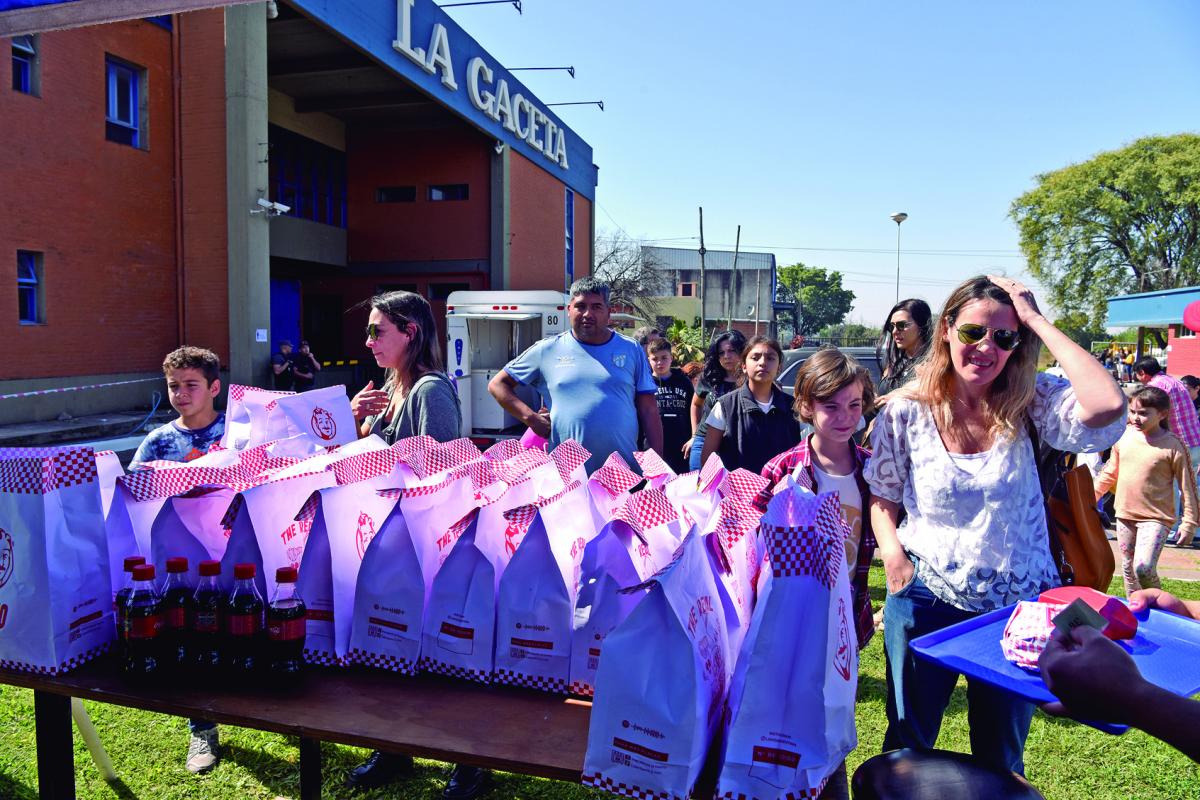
<point x="499" y="267"/>
<point x="246" y="181"/>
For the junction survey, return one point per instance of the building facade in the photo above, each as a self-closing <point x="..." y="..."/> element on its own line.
<point x="741" y="288"/>
<point x="1163" y="309"/>
<point x="229" y="180"/>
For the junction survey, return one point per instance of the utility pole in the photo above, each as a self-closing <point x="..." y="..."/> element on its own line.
<point x="702" y="252"/>
<point x="733" y="278"/>
<point x="757" y="297"/>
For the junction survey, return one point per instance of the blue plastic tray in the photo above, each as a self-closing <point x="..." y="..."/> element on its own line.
<point x="1166" y="650"/>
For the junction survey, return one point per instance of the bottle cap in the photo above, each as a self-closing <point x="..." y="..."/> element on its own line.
<point x="177" y="564"/>
<point x="143" y="572"/>
<point x="285" y="575"/>
<point x="243" y="571"/>
<point x="210" y="568"/>
<point x="133" y="561"/>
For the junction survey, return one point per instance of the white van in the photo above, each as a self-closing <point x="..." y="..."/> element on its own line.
<point x="484" y="331"/>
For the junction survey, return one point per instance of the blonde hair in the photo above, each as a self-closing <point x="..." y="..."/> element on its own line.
<point x="824" y="374"/>
<point x="1009" y="395"/>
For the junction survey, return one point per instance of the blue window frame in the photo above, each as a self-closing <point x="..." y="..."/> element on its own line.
<point x="569" y="216"/>
<point x="123" y="121"/>
<point x="29" y="288"/>
<point x="24" y="64"/>
<point x="308" y="176"/>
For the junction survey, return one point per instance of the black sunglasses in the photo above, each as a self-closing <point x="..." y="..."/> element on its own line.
<point x="902" y="325"/>
<point x="970" y="333"/>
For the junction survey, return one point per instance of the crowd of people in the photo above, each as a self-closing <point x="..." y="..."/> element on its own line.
<point x="943" y="484"/>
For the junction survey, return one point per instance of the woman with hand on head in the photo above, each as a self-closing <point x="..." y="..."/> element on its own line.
<point x="417" y="398"/>
<point x="722" y="367"/>
<point x="904" y="340"/>
<point x="952" y="448"/>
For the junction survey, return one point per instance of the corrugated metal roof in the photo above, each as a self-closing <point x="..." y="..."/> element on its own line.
<point x="1151" y="308"/>
<point x="670" y="258"/>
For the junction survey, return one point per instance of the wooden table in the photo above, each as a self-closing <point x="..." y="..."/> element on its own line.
<point x="515" y="730"/>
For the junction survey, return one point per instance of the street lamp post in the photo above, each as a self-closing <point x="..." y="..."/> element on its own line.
<point x="897" y="218"/>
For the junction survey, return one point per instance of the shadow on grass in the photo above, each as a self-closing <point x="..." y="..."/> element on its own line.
<point x="121" y="790"/>
<point x="11" y="790"/>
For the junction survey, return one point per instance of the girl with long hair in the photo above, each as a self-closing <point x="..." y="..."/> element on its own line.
<point x="904" y="339"/>
<point x="416" y="397"/>
<point x="749" y="426"/>
<point x="952" y="448"/>
<point x="722" y="366"/>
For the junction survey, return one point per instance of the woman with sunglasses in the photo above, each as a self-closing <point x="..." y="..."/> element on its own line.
<point x="953" y="450"/>
<point x="904" y="340"/>
<point x="416" y="398"/>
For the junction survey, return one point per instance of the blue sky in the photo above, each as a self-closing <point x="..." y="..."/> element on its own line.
<point x="809" y="123"/>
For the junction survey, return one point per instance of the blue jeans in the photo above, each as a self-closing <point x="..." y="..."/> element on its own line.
<point x="198" y="725"/>
<point x="697" y="449"/>
<point x="919" y="691"/>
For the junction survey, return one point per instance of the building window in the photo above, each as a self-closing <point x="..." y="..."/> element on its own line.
<point x="441" y="291"/>
<point x="25" y="64"/>
<point x="396" y="194"/>
<point x="31" y="310"/>
<point x="125" y="117"/>
<point x="687" y="289"/>
<point x="448" y="191"/>
<point x="308" y="176"/>
<point x="569" y="217"/>
<point x="1184" y="332"/>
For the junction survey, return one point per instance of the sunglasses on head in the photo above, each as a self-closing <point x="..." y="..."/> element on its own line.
<point x="970" y="333"/>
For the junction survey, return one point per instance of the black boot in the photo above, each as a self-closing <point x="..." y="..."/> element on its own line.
<point x="467" y="783"/>
<point x="379" y="769"/>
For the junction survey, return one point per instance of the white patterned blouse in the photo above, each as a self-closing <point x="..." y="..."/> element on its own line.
<point x="978" y="540"/>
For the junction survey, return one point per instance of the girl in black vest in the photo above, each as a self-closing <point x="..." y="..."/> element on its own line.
<point x="749" y="426"/>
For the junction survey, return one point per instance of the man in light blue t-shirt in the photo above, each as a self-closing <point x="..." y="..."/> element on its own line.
<point x="599" y="383"/>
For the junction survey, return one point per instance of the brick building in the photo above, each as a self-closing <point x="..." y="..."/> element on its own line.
<point x="1163" y="309"/>
<point x="139" y="152"/>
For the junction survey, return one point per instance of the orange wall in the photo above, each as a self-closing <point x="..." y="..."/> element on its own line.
<point x="101" y="212"/>
<point x="421" y="230"/>
<point x="537" y="233"/>
<point x="583" y="236"/>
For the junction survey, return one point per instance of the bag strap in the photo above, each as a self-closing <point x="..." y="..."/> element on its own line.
<point x="1050" y="465"/>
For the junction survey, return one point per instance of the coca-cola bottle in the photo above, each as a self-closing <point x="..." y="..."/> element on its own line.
<point x="143" y="620"/>
<point x="205" y="620"/>
<point x="243" y="623"/>
<point x="176" y="596"/>
<point x="122" y="596"/>
<point x="285" y="627"/>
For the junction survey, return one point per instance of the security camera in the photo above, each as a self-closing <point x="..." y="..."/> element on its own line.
<point x="499" y="147"/>
<point x="271" y="208"/>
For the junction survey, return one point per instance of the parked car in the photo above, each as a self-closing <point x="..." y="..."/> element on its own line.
<point x="792" y="359"/>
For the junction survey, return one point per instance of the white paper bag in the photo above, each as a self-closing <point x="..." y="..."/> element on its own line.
<point x="322" y="414"/>
<point x="737" y="558"/>
<point x="629" y="550"/>
<point x="108" y="469"/>
<point x="609" y="488"/>
<point x="248" y="417"/>
<point x="696" y="494"/>
<point x="792" y="696"/>
<point x="660" y="688"/>
<point x="655" y="470"/>
<point x="460" y="618"/>
<point x="55" y="596"/>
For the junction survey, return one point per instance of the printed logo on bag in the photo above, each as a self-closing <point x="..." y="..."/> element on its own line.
<point x="294" y="538"/>
<point x="7" y="561"/>
<point x="841" y="659"/>
<point x="364" y="534"/>
<point x="323" y="424"/>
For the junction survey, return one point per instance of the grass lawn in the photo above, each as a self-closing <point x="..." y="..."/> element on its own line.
<point x="1063" y="759"/>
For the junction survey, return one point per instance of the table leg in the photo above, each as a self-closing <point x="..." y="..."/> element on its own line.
<point x="310" y="769"/>
<point x="55" y="750"/>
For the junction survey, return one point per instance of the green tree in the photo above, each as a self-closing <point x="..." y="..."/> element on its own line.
<point x="1124" y="221"/>
<point x="1082" y="328"/>
<point x="853" y="332"/>
<point x="816" y="295"/>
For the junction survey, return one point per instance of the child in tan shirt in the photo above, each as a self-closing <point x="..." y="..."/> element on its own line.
<point x="1145" y="465"/>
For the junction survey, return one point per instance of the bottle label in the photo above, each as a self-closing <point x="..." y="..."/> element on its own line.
<point x="244" y="624"/>
<point x="287" y="630"/>
<point x="176" y="618"/>
<point x="145" y="627"/>
<point x="206" y="622"/>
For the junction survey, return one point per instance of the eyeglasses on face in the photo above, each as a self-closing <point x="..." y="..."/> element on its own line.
<point x="970" y="333"/>
<point x="902" y="325"/>
<point x="372" y="331"/>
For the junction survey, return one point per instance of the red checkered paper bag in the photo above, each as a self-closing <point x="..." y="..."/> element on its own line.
<point x="55" y="596"/>
<point x="696" y="494"/>
<point x="1027" y="631"/>
<point x="655" y="470"/>
<point x="609" y="488"/>
<point x="791" y="701"/>
<point x="250" y="417"/>
<point x="535" y="603"/>
<point x="108" y="469"/>
<point x="323" y="415"/>
<point x="737" y="558"/>
<point x="660" y="688"/>
<point x="628" y="551"/>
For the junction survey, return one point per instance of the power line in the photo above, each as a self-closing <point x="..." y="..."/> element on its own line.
<point x="887" y="251"/>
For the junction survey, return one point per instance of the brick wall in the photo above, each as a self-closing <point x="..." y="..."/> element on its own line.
<point x="537" y="233"/>
<point x="101" y="212"/>
<point x="1184" y="358"/>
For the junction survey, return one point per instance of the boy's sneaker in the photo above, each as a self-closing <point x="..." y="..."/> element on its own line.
<point x="204" y="751"/>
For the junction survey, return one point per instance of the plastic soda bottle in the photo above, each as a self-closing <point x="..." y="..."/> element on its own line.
<point x="205" y="619"/>
<point x="144" y="621"/>
<point x="122" y="596"/>
<point x="285" y="626"/>
<point x="176" y="596"/>
<point x="243" y="622"/>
